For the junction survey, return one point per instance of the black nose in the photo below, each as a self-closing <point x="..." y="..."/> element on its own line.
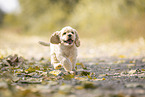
<point x="69" y="35"/>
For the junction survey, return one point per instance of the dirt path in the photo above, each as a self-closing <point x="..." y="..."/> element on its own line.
<point x="101" y="77"/>
<point x="115" y="69"/>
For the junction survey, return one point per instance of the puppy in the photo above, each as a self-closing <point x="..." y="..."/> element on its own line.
<point x="63" y="48"/>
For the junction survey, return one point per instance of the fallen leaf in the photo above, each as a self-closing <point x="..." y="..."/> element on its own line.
<point x="122" y="56"/>
<point x="79" y="87"/>
<point x="132" y="61"/>
<point x="82" y="65"/>
<point x="132" y="71"/>
<point x="130" y="65"/>
<point x="103" y="79"/>
<point x="55" y="72"/>
<point x="85" y="73"/>
<point x="81" y="78"/>
<point x="29" y="70"/>
<point x="98" y="79"/>
<point x="44" y="73"/>
<point x="89" y="76"/>
<point x="68" y="76"/>
<point x="101" y="75"/>
<point x="15" y="79"/>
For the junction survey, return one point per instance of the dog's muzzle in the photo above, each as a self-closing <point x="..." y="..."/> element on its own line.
<point x="69" y="41"/>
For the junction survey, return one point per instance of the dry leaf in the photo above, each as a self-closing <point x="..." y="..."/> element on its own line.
<point x="132" y="71"/>
<point x="79" y="87"/>
<point x="55" y="72"/>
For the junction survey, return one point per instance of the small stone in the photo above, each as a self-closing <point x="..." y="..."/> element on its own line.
<point x="88" y="85"/>
<point x="65" y="89"/>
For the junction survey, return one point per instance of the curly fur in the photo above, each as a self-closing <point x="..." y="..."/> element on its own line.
<point x="63" y="46"/>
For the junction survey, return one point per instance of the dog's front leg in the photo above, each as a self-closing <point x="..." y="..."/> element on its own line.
<point x="66" y="64"/>
<point x="56" y="64"/>
<point x="73" y="61"/>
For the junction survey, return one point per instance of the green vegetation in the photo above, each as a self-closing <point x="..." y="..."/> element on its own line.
<point x="99" y="19"/>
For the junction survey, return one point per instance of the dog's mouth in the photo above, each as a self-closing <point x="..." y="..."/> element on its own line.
<point x="69" y="41"/>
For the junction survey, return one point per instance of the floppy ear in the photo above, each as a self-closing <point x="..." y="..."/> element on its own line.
<point x="55" y="38"/>
<point x="77" y="41"/>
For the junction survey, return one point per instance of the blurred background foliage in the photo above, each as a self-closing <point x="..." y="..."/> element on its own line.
<point x="102" y="20"/>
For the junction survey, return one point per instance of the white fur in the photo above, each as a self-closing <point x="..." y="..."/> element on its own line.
<point x="62" y="53"/>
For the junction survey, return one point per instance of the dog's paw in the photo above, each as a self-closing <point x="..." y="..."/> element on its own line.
<point x="57" y="66"/>
<point x="72" y="72"/>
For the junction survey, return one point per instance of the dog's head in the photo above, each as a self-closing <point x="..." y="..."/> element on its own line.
<point x="67" y="36"/>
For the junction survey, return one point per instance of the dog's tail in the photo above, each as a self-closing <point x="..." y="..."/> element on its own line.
<point x="44" y="43"/>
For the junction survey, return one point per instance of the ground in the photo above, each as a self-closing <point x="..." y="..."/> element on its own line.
<point x="99" y="77"/>
<point x="115" y="69"/>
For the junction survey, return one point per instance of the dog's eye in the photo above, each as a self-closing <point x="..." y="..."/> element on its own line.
<point x="64" y="33"/>
<point x="72" y="32"/>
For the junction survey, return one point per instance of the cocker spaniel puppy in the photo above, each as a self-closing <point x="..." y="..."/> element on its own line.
<point x="63" y="48"/>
